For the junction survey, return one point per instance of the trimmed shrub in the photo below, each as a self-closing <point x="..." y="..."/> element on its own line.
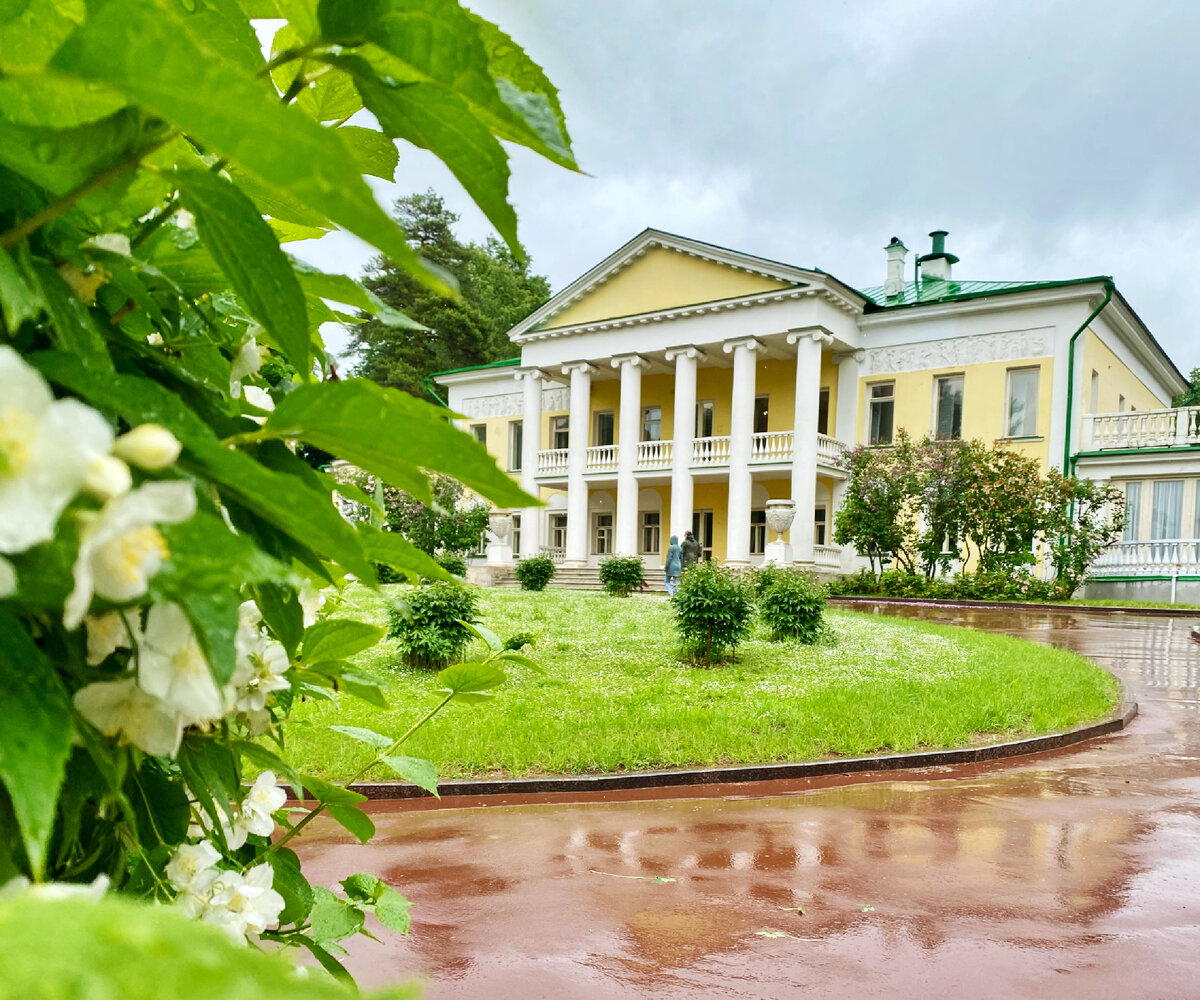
<point x="791" y="606"/>
<point x="764" y="576"/>
<point x="519" y="640"/>
<point x="713" y="606"/>
<point x="622" y="575"/>
<point x="899" y="583"/>
<point x="426" y="623"/>
<point x="452" y="562"/>
<point x="534" y="573"/>
<point x="862" y="582"/>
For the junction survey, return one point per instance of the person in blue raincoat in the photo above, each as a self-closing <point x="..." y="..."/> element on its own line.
<point x="674" y="565"/>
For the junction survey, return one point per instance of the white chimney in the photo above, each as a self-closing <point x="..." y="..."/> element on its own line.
<point x="896" y="252"/>
<point x="936" y="265"/>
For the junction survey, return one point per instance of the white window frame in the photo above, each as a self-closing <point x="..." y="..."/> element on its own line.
<point x="1160" y="516"/>
<point x="479" y="433"/>
<point x="516" y="435"/>
<point x="1025" y="431"/>
<point x="647" y="423"/>
<point x="871" y="400"/>
<point x="602" y="534"/>
<point x="560" y="425"/>
<point x="1133" y="511"/>
<point x="960" y="378"/>
<point x="758" y="532"/>
<point x="645" y="527"/>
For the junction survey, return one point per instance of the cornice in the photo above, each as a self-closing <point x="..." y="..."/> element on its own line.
<point x="981" y="304"/>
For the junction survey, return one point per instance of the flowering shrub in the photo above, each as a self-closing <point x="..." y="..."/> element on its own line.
<point x="713" y="607"/>
<point x="791" y="605"/>
<point x="432" y="623"/>
<point x="622" y="575"/>
<point x="163" y="543"/>
<point x="534" y="572"/>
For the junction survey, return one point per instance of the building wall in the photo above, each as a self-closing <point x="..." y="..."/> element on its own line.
<point x="1114" y="380"/>
<point x="662" y="279"/>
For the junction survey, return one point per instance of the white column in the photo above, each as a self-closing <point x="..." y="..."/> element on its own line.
<point x="741" y="435"/>
<point x="577" y="441"/>
<point x="849" y="401"/>
<point x="628" y="434"/>
<point x="804" y="439"/>
<point x="531" y="444"/>
<point x="685" y="359"/>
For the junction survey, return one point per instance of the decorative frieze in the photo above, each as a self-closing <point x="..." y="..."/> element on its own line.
<point x="511" y="404"/>
<point x="958" y="352"/>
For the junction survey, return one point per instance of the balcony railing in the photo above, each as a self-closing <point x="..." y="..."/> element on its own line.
<point x="1142" y="429"/>
<point x="827" y="556"/>
<point x="1164" y="557"/>
<point x="771" y="447"/>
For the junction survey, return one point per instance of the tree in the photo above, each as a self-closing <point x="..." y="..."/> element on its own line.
<point x="1191" y="395"/>
<point x="1082" y="518"/>
<point x="878" y="515"/>
<point x="162" y="547"/>
<point x="496" y="291"/>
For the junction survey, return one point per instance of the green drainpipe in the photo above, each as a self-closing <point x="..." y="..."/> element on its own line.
<point x="433" y="392"/>
<point x="1108" y="294"/>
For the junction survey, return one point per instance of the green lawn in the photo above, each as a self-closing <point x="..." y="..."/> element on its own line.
<point x="617" y="697"/>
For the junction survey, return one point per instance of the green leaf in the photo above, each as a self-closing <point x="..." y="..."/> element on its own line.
<point x="356" y="420"/>
<point x="35" y="736"/>
<point x="53" y="101"/>
<point x="375" y="152"/>
<point x="369" y="736"/>
<point x="167" y="66"/>
<point x="326" y="960"/>
<point x="465" y="679"/>
<point x="247" y="252"/>
<point x="343" y="288"/>
<point x="281" y="611"/>
<point x="354" y="820"/>
<point x="290" y="883"/>
<point x="74" y="327"/>
<point x="328" y="793"/>
<point x="489" y="637"/>
<point x="333" y="918"/>
<point x="18" y="301"/>
<point x="337" y="638"/>
<point x="268" y="760"/>
<point x="365" y="686"/>
<point x="393" y="549"/>
<point x="332" y="98"/>
<point x="511" y="656"/>
<point x="31" y="31"/>
<point x="420" y="772"/>
<point x="389" y="907"/>
<point x="290" y="232"/>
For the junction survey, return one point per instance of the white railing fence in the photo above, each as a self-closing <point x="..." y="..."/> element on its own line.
<point x="827" y="556"/>
<point x="552" y="463"/>
<point x="710" y="451"/>
<point x="1164" y="557"/>
<point x="829" y="450"/>
<point x="1141" y="429"/>
<point x="771" y="446"/>
<point x="601" y="458"/>
<point x="654" y="454"/>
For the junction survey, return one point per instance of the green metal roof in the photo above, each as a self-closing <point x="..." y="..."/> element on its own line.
<point x="932" y="291"/>
<point x="506" y="363"/>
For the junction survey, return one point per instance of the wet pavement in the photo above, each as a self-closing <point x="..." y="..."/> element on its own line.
<point x="1069" y="874"/>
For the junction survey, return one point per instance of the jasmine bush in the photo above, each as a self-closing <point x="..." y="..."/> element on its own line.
<point x="622" y="575"/>
<point x="713" y="607"/>
<point x="534" y="572"/>
<point x="791" y="605"/>
<point x="428" y="623"/>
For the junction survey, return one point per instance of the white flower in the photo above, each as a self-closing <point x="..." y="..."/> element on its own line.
<point x="8" y="578"/>
<point x="46" y="449"/>
<point x="154" y="339"/>
<point x="148" y="446"/>
<point x="311" y="601"/>
<point x="260" y="666"/>
<point x="107" y="477"/>
<point x="121" y="707"/>
<point x="87" y="891"/>
<point x="189" y="862"/>
<point x="109" y="632"/>
<point x="264" y="797"/>
<point x="244" y="904"/>
<point x="120" y="549"/>
<point x="248" y="361"/>
<point x="248" y="613"/>
<point x="259" y="398"/>
<point x="173" y="668"/>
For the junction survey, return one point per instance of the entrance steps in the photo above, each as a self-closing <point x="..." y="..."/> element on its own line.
<point x="566" y="577"/>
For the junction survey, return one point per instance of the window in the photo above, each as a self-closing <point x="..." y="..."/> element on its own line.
<point x="516" y="532"/>
<point x="949" y="399"/>
<point x="560" y="432"/>
<point x="605" y="425"/>
<point x="704" y="418"/>
<point x="819" y="523"/>
<point x="1166" y="513"/>
<point x="602" y="534"/>
<point x="516" y="440"/>
<point x="480" y="432"/>
<point x="651" y="532"/>
<point x="758" y="532"/>
<point x="558" y="531"/>
<point x="652" y="423"/>
<point x="1022" y="402"/>
<point x="882" y="406"/>
<point x="760" y="414"/>
<point x="1133" y="511"/>
<point x="823" y="411"/>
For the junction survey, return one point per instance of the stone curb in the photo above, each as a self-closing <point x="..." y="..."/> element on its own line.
<point x="1125" y="711"/>
<point x="1086" y="609"/>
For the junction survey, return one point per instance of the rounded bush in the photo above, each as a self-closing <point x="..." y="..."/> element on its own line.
<point x="452" y="562"/>
<point x="713" y="606"/>
<point x="534" y="572"/>
<point x="791" y="606"/>
<point x="427" y="623"/>
<point x="622" y="575"/>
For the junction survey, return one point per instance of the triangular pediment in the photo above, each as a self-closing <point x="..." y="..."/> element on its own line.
<point x="657" y="272"/>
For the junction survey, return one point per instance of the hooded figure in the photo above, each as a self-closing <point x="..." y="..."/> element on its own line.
<point x="691" y="550"/>
<point x="673" y="566"/>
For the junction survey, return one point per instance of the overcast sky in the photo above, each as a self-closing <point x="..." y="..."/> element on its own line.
<point x="1052" y="139"/>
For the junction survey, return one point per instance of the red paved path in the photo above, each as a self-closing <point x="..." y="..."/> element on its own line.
<point x="1075" y="874"/>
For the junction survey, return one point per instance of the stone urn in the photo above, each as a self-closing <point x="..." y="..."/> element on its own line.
<point x="780" y="515"/>
<point x="500" y="523"/>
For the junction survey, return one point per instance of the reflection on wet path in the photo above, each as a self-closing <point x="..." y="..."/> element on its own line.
<point x="1070" y="875"/>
